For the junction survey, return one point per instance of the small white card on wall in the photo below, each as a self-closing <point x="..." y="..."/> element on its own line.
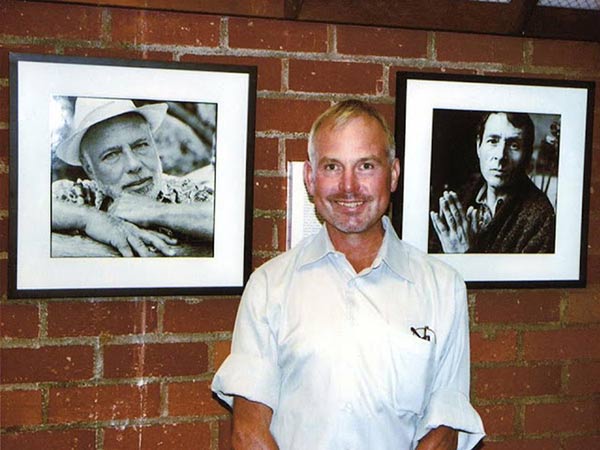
<point x="301" y="216"/>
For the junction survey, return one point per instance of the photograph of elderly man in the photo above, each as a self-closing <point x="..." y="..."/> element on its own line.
<point x="132" y="178"/>
<point x="494" y="178"/>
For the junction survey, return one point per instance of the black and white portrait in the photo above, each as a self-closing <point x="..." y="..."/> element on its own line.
<point x="494" y="178"/>
<point x="132" y="177"/>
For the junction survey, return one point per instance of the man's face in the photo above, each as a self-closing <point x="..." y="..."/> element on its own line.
<point x="120" y="155"/>
<point x="501" y="154"/>
<point x="352" y="176"/>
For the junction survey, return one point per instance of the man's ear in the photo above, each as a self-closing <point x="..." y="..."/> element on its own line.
<point x="309" y="180"/>
<point x="395" y="174"/>
<point x="85" y="165"/>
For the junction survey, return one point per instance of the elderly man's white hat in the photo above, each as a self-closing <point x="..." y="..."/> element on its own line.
<point x="90" y="111"/>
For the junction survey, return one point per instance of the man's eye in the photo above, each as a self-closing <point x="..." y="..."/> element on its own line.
<point x="329" y="167"/>
<point x="140" y="146"/>
<point x="111" y="156"/>
<point x="368" y="166"/>
<point x="515" y="146"/>
<point x="492" y="140"/>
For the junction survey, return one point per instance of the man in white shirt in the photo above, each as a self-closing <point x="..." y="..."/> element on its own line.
<point x="352" y="339"/>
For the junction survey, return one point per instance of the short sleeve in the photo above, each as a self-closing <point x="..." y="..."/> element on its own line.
<point x="449" y="403"/>
<point x="251" y="370"/>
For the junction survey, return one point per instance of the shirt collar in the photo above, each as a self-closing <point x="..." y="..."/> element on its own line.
<point x="393" y="251"/>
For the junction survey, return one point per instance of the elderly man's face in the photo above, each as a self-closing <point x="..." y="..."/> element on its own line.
<point x="121" y="156"/>
<point x="501" y="153"/>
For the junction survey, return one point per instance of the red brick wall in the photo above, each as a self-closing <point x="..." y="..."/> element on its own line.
<point x="70" y="367"/>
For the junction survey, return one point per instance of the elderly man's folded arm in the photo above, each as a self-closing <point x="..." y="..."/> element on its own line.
<point x="102" y="227"/>
<point x="191" y="219"/>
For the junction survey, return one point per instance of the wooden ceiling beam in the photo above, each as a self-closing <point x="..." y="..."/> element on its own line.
<point x="517" y="18"/>
<point x="561" y="23"/>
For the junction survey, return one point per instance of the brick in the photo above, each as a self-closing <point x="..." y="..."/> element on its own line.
<point x="32" y="19"/>
<point x="172" y="437"/>
<point x="28" y="365"/>
<point x="73" y="439"/>
<point x="4" y="104"/>
<point x="335" y="77"/>
<point x="3" y="233"/>
<point x="269" y="234"/>
<point x="3" y="276"/>
<point x="579" y="442"/>
<point x="583" y="306"/>
<point x="166" y="28"/>
<point x="270" y="193"/>
<point x="503" y="382"/>
<point x="562" y="417"/>
<point x="359" y="40"/>
<point x="264" y="230"/>
<point x="225" y="435"/>
<point x="296" y="149"/>
<point x="101" y="403"/>
<point x="565" y="344"/>
<point x="193" y="399"/>
<point x="479" y="48"/>
<point x="557" y="53"/>
<point x="101" y="318"/>
<point x="497" y="348"/>
<point x="268" y="73"/>
<point x="221" y="350"/>
<point x="277" y="35"/>
<point x="206" y="316"/>
<point x="19" y="321"/>
<point x="148" y="360"/>
<point x="119" y="53"/>
<point x="287" y="115"/>
<point x="583" y="378"/>
<point x="593" y="266"/>
<point x="498" y="419"/>
<point x="20" y="408"/>
<point x="526" y="306"/>
<point x="4" y="142"/>
<point x="524" y="444"/>
<point x="266" y="154"/>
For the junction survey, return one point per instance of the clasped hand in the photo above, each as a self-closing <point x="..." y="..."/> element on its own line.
<point x="455" y="228"/>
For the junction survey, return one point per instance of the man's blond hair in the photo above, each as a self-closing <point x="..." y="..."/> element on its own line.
<point x="339" y="115"/>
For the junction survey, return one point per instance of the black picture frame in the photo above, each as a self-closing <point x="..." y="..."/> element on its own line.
<point x="223" y="96"/>
<point x="436" y="139"/>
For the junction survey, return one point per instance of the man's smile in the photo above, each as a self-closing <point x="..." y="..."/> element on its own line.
<point x="138" y="185"/>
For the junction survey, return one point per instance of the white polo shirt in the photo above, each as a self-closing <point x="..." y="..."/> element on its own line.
<point x="332" y="353"/>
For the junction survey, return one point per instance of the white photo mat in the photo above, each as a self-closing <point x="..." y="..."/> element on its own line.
<point x="37" y="81"/>
<point x="422" y="96"/>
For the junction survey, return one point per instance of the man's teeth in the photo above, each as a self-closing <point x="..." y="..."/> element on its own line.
<point x="350" y="204"/>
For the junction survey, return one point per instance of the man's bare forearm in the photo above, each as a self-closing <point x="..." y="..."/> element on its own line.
<point x="441" y="438"/>
<point x="251" y="421"/>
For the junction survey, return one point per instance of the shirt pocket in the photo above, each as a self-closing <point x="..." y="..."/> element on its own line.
<point x="413" y="372"/>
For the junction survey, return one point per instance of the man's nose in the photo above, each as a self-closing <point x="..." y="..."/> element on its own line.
<point x="501" y="149"/>
<point x="132" y="162"/>
<point x="349" y="181"/>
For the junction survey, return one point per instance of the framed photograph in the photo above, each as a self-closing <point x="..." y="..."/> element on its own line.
<point x="495" y="176"/>
<point x="129" y="177"/>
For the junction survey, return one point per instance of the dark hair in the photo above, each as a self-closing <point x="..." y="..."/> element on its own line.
<point x="522" y="121"/>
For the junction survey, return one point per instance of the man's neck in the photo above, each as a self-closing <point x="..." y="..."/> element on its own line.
<point x="360" y="249"/>
<point x="492" y="196"/>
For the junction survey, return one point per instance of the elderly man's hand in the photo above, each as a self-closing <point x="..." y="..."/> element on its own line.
<point x="126" y="237"/>
<point x="455" y="229"/>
